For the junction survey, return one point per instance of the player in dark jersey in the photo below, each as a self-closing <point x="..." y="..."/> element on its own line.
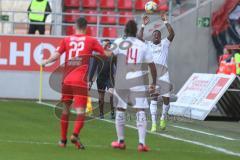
<point x="75" y="47"/>
<point x="105" y="79"/>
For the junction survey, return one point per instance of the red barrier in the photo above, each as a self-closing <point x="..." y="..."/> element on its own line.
<point x="24" y="53"/>
<point x="220" y="17"/>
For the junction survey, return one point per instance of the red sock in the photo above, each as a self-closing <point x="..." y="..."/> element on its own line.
<point x="79" y="123"/>
<point x="64" y="126"/>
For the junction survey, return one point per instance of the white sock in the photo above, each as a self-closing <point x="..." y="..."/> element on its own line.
<point x="153" y="111"/>
<point x="141" y="126"/>
<point x="165" y="111"/>
<point x="120" y="124"/>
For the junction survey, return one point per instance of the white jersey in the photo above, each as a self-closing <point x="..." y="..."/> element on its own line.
<point x="136" y="54"/>
<point x="131" y="53"/>
<point x="159" y="51"/>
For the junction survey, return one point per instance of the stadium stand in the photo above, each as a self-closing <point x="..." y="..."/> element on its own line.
<point x="113" y="12"/>
<point x="125" y="5"/>
<point x="106" y="19"/>
<point x="91" y="18"/>
<point x="92" y="31"/>
<point x="71" y="15"/>
<point x="100" y="14"/>
<point x="72" y="3"/>
<point x="107" y="4"/>
<point x="69" y="30"/>
<point x="140" y="5"/>
<point x="123" y="20"/>
<point x="109" y="32"/>
<point x="89" y="3"/>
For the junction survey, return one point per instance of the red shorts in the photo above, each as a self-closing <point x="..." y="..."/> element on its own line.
<point x="77" y="95"/>
<point x="78" y="101"/>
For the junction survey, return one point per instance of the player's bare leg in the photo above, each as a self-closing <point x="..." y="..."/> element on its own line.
<point x="64" y="123"/>
<point x="120" y="125"/>
<point x="165" y="109"/>
<point x="78" y="125"/>
<point x="141" y="122"/>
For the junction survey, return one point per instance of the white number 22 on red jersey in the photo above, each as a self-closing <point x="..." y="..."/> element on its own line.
<point x="76" y="48"/>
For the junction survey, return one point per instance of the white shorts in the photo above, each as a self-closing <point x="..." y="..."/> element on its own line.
<point x="166" y="80"/>
<point x="123" y="98"/>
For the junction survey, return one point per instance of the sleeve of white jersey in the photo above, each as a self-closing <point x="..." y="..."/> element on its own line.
<point x="166" y="42"/>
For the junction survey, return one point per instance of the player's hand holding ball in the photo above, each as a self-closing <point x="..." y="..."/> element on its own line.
<point x="151" y="7"/>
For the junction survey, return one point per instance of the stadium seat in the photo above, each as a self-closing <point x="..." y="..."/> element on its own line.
<point x="70" y="30"/>
<point x="69" y="18"/>
<point x="140" y="4"/>
<point x="157" y="1"/>
<point x="107" y="4"/>
<point x="106" y="19"/>
<point x="89" y="3"/>
<point x="163" y="8"/>
<point x="72" y="3"/>
<point x="125" y="4"/>
<point x="92" y="31"/>
<point x="91" y="18"/>
<point x="163" y="5"/>
<point x="109" y="32"/>
<point x="124" y="20"/>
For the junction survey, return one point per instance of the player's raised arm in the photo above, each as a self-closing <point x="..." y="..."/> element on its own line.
<point x="145" y="20"/>
<point x="169" y="28"/>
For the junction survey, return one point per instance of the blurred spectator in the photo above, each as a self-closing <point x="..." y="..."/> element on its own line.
<point x="229" y="62"/>
<point x="227" y="55"/>
<point x="178" y="2"/>
<point x="178" y="7"/>
<point x="38" y="11"/>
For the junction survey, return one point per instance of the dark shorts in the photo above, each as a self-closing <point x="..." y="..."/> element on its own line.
<point x="103" y="84"/>
<point x="36" y="27"/>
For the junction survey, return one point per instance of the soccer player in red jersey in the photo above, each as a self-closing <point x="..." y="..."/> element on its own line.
<point x="75" y="46"/>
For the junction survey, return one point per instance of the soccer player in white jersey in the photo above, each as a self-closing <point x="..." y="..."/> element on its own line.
<point x="132" y="56"/>
<point x="159" y="49"/>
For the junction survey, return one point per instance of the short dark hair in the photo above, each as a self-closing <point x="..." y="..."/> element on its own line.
<point x="156" y="31"/>
<point x="81" y="23"/>
<point x="106" y="40"/>
<point x="131" y="28"/>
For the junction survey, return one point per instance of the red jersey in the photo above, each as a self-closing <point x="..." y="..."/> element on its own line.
<point x="79" y="46"/>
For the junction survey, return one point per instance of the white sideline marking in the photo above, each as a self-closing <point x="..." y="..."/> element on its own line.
<point x="202" y="132"/>
<point x="219" y="149"/>
<point x="95" y="146"/>
<point x="223" y="150"/>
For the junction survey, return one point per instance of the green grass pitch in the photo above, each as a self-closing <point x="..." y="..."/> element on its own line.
<point x="30" y="131"/>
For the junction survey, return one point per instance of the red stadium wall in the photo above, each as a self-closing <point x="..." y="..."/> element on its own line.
<point x="20" y="58"/>
<point x="24" y="53"/>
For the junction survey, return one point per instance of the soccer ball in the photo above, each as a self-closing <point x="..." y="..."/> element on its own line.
<point x="150" y="7"/>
